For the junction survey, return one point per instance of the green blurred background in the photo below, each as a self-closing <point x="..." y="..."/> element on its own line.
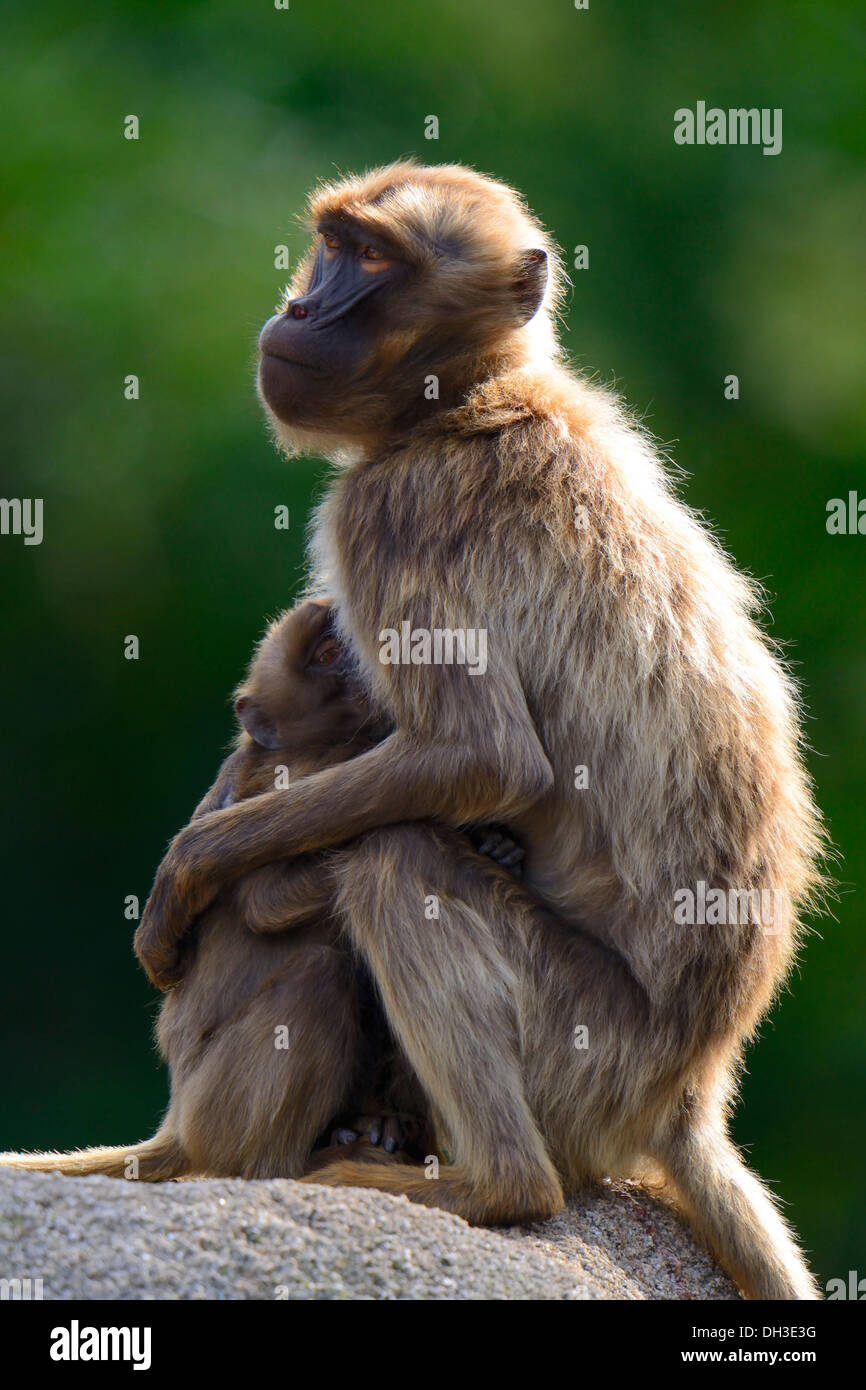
<point x="156" y="257"/>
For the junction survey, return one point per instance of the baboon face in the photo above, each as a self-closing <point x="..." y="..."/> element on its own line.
<point x="414" y="273"/>
<point x="326" y="336"/>
<point x="302" y="691"/>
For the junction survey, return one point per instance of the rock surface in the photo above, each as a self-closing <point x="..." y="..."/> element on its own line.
<point x="230" y="1239"/>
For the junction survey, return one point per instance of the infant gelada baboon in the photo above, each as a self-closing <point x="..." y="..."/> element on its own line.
<point x="275" y="1033"/>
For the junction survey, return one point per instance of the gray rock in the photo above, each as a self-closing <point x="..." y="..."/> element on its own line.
<point x="230" y="1239"/>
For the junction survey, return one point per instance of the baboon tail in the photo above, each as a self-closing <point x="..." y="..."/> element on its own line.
<point x="454" y="1190"/>
<point x="737" y="1217"/>
<point x="154" y="1160"/>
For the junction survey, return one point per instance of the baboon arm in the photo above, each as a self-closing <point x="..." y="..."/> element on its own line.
<point x="281" y="896"/>
<point x="400" y="779"/>
<point x="215" y="798"/>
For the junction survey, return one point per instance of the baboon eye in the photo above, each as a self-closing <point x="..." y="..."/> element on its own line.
<point x="369" y="253"/>
<point x="326" y="653"/>
<point x="332" y="242"/>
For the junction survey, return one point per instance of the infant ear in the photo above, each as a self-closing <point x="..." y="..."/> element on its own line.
<point x="530" y="282"/>
<point x="261" y="730"/>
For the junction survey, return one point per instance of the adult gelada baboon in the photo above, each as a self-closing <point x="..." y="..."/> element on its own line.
<point x="483" y="485"/>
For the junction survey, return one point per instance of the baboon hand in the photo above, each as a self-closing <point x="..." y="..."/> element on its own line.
<point x="180" y="892"/>
<point x="391" y="1132"/>
<point x="497" y="842"/>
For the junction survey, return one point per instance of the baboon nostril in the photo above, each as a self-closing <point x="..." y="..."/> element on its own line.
<point x="298" y="311"/>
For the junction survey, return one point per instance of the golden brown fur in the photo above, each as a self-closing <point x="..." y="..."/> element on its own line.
<point x="525" y="502"/>
<point x="241" y="1105"/>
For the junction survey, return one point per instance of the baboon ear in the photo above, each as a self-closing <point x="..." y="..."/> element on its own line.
<point x="530" y="282"/>
<point x="261" y="730"/>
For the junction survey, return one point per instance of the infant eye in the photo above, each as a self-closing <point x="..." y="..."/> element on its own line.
<point x="369" y="253"/>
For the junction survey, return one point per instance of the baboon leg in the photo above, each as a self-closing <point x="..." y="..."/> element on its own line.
<point x="275" y="1073"/>
<point x="599" y="1065"/>
<point x="450" y="997"/>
